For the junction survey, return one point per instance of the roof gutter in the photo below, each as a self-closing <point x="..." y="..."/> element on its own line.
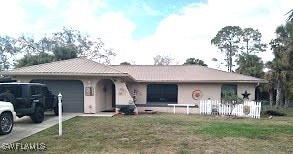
<point x="70" y="74"/>
<point x="200" y="81"/>
<point x="65" y="74"/>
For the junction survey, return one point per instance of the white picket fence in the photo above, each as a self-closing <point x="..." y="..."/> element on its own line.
<point x="247" y="109"/>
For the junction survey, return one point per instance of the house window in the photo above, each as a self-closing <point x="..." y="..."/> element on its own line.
<point x="228" y="90"/>
<point x="162" y="93"/>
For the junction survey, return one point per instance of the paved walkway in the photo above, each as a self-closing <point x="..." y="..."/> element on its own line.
<point x="24" y="127"/>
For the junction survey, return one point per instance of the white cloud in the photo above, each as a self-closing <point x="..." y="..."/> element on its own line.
<point x="113" y="27"/>
<point x="188" y="33"/>
<point x="116" y="31"/>
<point x="51" y="4"/>
<point x="13" y="18"/>
<point x="81" y="15"/>
<point x="181" y="35"/>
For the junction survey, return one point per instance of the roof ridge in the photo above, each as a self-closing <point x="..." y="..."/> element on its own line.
<point x="73" y="59"/>
<point x="108" y="66"/>
<point x="160" y="65"/>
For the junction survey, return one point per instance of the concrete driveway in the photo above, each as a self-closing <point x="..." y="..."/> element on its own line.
<point x="24" y="127"/>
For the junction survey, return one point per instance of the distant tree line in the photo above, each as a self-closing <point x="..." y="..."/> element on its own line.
<point x="66" y="44"/>
<point x="168" y="60"/>
<point x="241" y="45"/>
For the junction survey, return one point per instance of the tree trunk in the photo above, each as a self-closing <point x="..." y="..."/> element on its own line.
<point x="271" y="98"/>
<point x="284" y="96"/>
<point x="286" y="103"/>
<point x="247" y="47"/>
<point x="279" y="94"/>
<point x="229" y="58"/>
<point x="230" y="61"/>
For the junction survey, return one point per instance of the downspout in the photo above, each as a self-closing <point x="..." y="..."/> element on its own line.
<point x="257" y="85"/>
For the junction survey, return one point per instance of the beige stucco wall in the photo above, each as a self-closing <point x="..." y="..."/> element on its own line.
<point x="123" y="96"/>
<point x="250" y="89"/>
<point x="209" y="91"/>
<point x="100" y="100"/>
<point x="89" y="101"/>
<point x="103" y="94"/>
<point x="141" y="91"/>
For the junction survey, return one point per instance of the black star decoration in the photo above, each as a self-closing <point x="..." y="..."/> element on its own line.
<point x="245" y="95"/>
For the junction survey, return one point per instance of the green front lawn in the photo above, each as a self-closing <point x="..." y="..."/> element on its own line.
<point x="168" y="133"/>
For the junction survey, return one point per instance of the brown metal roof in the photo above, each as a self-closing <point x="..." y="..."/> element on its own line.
<point x="77" y="66"/>
<point x="138" y="73"/>
<point x="183" y="73"/>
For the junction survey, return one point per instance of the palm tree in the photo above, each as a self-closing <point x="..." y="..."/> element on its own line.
<point x="276" y="79"/>
<point x="250" y="65"/>
<point x="282" y="63"/>
<point x="290" y="17"/>
<point x="270" y="87"/>
<point x="289" y="89"/>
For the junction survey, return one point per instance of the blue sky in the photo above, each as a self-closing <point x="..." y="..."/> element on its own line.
<point x="138" y="30"/>
<point x="145" y="14"/>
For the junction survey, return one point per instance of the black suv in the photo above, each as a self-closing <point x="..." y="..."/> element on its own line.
<point x="29" y="99"/>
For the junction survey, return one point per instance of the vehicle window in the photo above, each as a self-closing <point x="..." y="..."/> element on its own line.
<point x="15" y="89"/>
<point x="35" y="90"/>
<point x="45" y="91"/>
<point x="1" y="89"/>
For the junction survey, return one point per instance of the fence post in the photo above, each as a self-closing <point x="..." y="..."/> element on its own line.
<point x="200" y="106"/>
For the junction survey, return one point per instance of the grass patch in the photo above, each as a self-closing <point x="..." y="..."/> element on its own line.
<point x="168" y="133"/>
<point x="288" y="111"/>
<point x="252" y="131"/>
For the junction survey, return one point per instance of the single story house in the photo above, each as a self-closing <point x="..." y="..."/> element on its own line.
<point x="90" y="87"/>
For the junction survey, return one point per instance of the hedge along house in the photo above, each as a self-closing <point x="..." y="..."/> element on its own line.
<point x="91" y="87"/>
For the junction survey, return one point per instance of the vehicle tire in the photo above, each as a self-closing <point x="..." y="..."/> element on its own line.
<point x="6" y="123"/>
<point x="38" y="116"/>
<point x="56" y="110"/>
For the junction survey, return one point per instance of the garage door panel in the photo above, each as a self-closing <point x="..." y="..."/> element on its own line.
<point x="72" y="92"/>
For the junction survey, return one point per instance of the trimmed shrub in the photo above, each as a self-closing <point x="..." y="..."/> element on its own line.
<point x="273" y="112"/>
<point x="127" y="109"/>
